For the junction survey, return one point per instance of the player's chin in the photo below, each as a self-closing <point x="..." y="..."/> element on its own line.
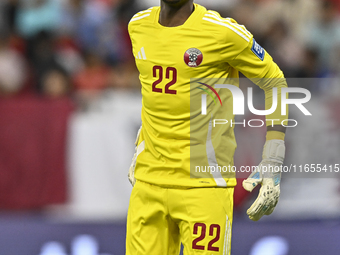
<point x="174" y="2"/>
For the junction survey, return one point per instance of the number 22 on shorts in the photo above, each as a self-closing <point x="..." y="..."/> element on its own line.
<point x="201" y="229"/>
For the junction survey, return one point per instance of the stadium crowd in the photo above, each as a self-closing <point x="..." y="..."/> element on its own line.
<point x="81" y="48"/>
<point x="65" y="48"/>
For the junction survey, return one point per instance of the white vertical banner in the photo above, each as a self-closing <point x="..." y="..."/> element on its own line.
<point x="101" y="146"/>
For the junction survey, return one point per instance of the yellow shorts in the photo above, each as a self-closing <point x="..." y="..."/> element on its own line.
<point x="159" y="219"/>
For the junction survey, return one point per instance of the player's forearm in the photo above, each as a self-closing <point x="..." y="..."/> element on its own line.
<point x="278" y="128"/>
<point x="276" y="132"/>
<point x="273" y="100"/>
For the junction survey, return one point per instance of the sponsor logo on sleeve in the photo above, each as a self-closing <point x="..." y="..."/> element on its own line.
<point x="258" y="50"/>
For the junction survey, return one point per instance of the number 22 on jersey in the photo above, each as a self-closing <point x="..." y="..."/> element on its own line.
<point x="170" y="74"/>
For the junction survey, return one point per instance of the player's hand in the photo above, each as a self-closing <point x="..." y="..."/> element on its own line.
<point x="268" y="174"/>
<point x="131" y="174"/>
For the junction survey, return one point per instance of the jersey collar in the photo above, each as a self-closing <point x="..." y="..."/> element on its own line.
<point x="192" y="18"/>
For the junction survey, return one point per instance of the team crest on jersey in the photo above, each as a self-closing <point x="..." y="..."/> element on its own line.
<point x="193" y="57"/>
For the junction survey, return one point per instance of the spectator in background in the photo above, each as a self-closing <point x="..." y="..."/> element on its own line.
<point x="8" y="10"/>
<point x="243" y="13"/>
<point x="8" y="14"/>
<point x="309" y="66"/>
<point x="335" y="61"/>
<point x="95" y="26"/>
<point x="323" y="35"/>
<point x="82" y="19"/>
<point x="90" y="82"/>
<point x="12" y="68"/>
<point x="68" y="54"/>
<point x="36" y="22"/>
<point x="35" y="16"/>
<point x="94" y="75"/>
<point x="124" y="76"/>
<point x="127" y="8"/>
<point x="284" y="48"/>
<point x="56" y="83"/>
<point x="42" y="55"/>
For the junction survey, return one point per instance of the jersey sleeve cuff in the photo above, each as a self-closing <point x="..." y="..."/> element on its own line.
<point x="271" y="135"/>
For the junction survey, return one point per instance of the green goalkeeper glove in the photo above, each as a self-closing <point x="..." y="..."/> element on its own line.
<point x="268" y="174"/>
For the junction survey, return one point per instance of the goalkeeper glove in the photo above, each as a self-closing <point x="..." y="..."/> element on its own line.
<point x="268" y="174"/>
<point x="131" y="174"/>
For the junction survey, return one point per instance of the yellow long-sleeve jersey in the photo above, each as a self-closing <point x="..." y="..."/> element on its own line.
<point x="177" y="66"/>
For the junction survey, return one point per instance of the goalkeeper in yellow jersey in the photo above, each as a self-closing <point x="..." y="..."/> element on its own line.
<point x="184" y="53"/>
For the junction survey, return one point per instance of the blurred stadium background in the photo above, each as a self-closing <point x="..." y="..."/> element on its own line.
<point x="70" y="108"/>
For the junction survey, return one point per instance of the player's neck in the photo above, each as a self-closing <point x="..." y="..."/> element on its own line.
<point x="173" y="16"/>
